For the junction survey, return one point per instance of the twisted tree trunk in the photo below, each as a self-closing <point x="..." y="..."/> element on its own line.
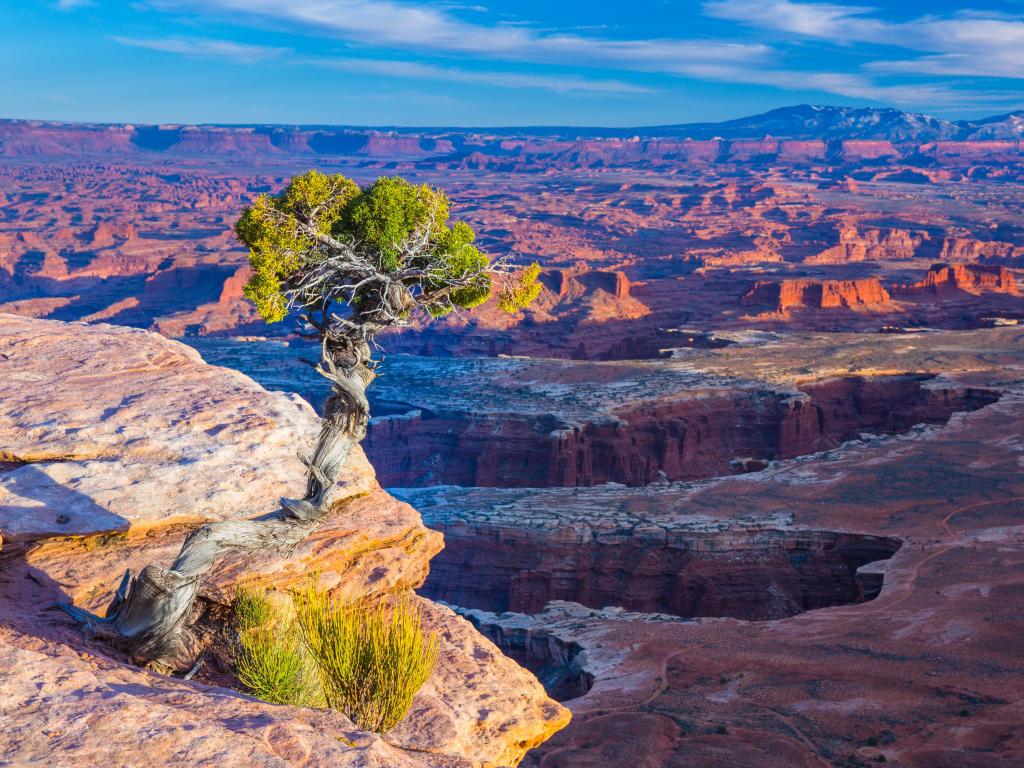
<point x="151" y="614"/>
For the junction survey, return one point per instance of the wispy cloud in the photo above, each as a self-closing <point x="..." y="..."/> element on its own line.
<point x="862" y="87"/>
<point x="971" y="43"/>
<point x="69" y="5"/>
<point x="195" y="46"/>
<point x="419" y="71"/>
<point x="252" y="54"/>
<point x="427" y="28"/>
<point x="822" y="20"/>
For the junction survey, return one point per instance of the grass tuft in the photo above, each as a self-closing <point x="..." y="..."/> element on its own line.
<point x="270" y="660"/>
<point x="372" y="657"/>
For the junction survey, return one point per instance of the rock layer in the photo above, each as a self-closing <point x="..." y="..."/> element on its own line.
<point x="116" y="444"/>
<point x="924" y="675"/>
<point x="686" y="436"/>
<point x="788" y="295"/>
<point x="746" y="574"/>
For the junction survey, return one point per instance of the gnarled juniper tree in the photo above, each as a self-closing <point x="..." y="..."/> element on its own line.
<point x="351" y="262"/>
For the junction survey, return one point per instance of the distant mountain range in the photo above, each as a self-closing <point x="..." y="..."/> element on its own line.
<point x="21" y="138"/>
<point x="811" y="122"/>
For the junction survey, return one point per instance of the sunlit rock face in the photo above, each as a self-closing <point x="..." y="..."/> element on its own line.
<point x="968" y="278"/>
<point x="117" y="442"/>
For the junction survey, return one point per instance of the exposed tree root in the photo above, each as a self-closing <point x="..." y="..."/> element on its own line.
<point x="151" y="614"/>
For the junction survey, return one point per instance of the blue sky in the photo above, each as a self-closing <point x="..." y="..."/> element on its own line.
<point x="499" y="62"/>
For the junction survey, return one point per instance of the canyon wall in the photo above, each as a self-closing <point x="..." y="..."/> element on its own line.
<point x="678" y="439"/>
<point x="745" y="574"/>
<point x="26" y="138"/>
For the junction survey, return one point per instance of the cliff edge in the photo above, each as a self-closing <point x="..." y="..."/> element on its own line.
<point x="114" y="443"/>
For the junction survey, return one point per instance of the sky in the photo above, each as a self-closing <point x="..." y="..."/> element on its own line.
<point x="501" y="62"/>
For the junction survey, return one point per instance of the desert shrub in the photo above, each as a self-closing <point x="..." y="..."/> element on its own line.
<point x="372" y="657"/>
<point x="269" y="659"/>
<point x="324" y="239"/>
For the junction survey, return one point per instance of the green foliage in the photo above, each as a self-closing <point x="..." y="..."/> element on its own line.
<point x="269" y="658"/>
<point x="319" y="198"/>
<point x="458" y="258"/>
<point x="391" y="210"/>
<point x="523" y="290"/>
<point x="275" y="251"/>
<point x="291" y="232"/>
<point x="372" y="658"/>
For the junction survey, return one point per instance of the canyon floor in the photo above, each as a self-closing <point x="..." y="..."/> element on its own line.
<point x="812" y="553"/>
<point x="745" y="486"/>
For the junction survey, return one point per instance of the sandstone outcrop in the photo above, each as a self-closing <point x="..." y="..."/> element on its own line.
<point x="970" y="278"/>
<point x="959" y="249"/>
<point x="115" y="443"/>
<point x="869" y="244"/>
<point x="796" y="294"/>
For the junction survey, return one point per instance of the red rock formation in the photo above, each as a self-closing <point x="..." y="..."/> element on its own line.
<point x="970" y="278"/>
<point x="663" y="249"/>
<point x="787" y="295"/>
<point x="869" y="244"/>
<point x="107" y="233"/>
<point x="579" y="280"/>
<point x="961" y="249"/>
<point x="859" y="149"/>
<point x="683" y="439"/>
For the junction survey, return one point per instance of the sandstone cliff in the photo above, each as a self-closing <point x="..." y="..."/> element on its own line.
<point x="113" y="444"/>
<point x="802" y="293"/>
<point x="869" y="244"/>
<point x="969" y="278"/>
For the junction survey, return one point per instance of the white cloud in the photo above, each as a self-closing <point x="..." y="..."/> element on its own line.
<point x="972" y="43"/>
<point x="418" y="71"/>
<point x="422" y="28"/>
<point x="858" y="86"/>
<point x="821" y="20"/>
<point x="251" y="54"/>
<point x="194" y="46"/>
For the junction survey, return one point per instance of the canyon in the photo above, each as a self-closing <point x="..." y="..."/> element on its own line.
<point x="640" y="239"/>
<point x="656" y="611"/>
<point x="828" y="608"/>
<point x="679" y="436"/>
<point x="742" y="486"/>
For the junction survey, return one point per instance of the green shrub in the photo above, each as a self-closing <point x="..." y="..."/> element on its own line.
<point x="269" y="658"/>
<point x="372" y="658"/>
<point x="399" y="229"/>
